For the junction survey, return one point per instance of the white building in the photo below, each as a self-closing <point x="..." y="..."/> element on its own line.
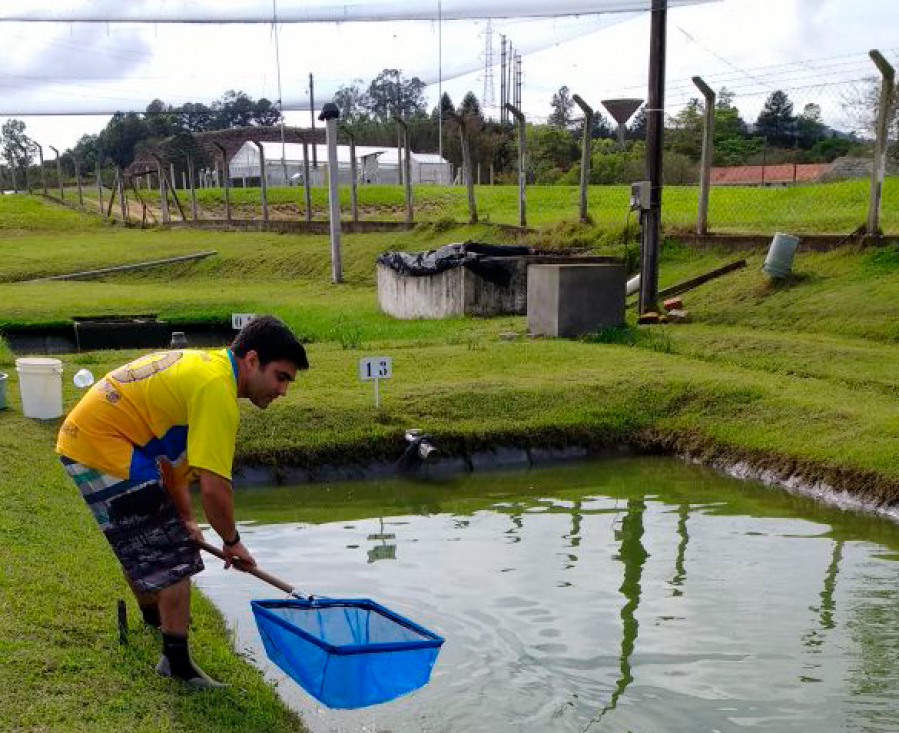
<point x="284" y="165"/>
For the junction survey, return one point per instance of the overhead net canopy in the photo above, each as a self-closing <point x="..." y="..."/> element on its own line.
<point x="88" y="57"/>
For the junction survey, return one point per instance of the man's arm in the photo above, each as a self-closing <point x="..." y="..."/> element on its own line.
<point x="218" y="505"/>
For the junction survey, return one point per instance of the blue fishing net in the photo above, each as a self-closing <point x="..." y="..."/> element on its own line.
<point x="347" y="653"/>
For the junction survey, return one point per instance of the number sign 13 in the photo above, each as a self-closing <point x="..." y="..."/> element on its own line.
<point x="375" y="367"/>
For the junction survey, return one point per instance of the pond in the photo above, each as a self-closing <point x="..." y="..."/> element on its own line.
<point x="627" y="594"/>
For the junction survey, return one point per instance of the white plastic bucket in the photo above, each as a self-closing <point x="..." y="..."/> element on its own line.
<point x="40" y="386"/>
<point x="779" y="261"/>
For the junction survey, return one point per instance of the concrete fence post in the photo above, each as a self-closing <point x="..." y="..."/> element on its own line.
<point x="354" y="203"/>
<point x="99" y="187"/>
<point x="585" y="154"/>
<point x="78" y="181"/>
<point x="329" y="115"/>
<point x="705" y="168"/>
<point x="163" y="194"/>
<point x="466" y="168"/>
<point x="62" y="195"/>
<point x="522" y="163"/>
<point x="226" y="190"/>
<point x="403" y="162"/>
<point x="172" y="175"/>
<point x="263" y="191"/>
<point x="191" y="187"/>
<point x="307" y="184"/>
<point x="123" y="203"/>
<point x="40" y="153"/>
<point x="878" y="168"/>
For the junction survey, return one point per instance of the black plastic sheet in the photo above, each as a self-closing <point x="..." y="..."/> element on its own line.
<point x="475" y="256"/>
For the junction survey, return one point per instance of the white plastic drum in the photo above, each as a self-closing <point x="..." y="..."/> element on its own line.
<point x="40" y="385"/>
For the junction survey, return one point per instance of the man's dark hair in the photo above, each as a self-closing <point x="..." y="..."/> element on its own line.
<point x="271" y="340"/>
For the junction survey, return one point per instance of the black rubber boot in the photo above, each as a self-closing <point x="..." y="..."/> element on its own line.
<point x="176" y="662"/>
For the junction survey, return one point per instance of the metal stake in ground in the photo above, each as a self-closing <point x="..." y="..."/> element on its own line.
<point x="329" y="116"/>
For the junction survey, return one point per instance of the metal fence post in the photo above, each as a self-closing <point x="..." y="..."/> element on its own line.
<point x="522" y="163"/>
<point x="62" y="195"/>
<point x="880" y="144"/>
<point x="708" y="138"/>
<point x="466" y="168"/>
<point x="585" y="154"/>
<point x="163" y="193"/>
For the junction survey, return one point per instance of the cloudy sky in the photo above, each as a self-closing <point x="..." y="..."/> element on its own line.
<point x="814" y="49"/>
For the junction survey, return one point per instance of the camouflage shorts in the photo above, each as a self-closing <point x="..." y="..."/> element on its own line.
<point x="142" y="526"/>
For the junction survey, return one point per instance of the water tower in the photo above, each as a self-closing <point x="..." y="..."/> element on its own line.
<point x="621" y="110"/>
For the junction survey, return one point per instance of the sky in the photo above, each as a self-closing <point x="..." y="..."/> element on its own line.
<point x="814" y="49"/>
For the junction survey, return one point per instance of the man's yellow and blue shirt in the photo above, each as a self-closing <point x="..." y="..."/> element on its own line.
<point x="175" y="408"/>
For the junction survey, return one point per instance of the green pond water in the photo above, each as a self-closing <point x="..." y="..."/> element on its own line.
<point x="632" y="594"/>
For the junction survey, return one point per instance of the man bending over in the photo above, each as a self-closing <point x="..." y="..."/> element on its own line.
<point x="137" y="439"/>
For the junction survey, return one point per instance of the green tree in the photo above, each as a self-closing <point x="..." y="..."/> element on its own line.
<point x="551" y="152"/>
<point x="352" y="101"/>
<point x="390" y="93"/>
<point x="684" y="134"/>
<point x="809" y="126"/>
<point x="196" y="117"/>
<point x="16" y="147"/>
<point x="776" y="121"/>
<point x="162" y="120"/>
<point x="562" y="107"/>
<point x="235" y="109"/>
<point x="265" y="113"/>
<point x="121" y="136"/>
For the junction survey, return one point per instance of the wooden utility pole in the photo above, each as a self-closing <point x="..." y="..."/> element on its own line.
<point x="652" y="218"/>
<point x="708" y="137"/>
<point x="263" y="184"/>
<point x="880" y="144"/>
<point x="585" y="154"/>
<point x="227" y="187"/>
<point x="466" y="168"/>
<point x="404" y="160"/>
<point x="354" y="205"/>
<point x="522" y="163"/>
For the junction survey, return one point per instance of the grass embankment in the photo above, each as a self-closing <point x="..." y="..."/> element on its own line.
<point x="799" y="376"/>
<point x="814" y="208"/>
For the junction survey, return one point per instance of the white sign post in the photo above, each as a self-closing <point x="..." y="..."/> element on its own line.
<point x="239" y="320"/>
<point x="375" y="368"/>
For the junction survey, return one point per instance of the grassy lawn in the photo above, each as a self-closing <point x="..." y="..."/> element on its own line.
<point x="820" y="208"/>
<point x="801" y="375"/>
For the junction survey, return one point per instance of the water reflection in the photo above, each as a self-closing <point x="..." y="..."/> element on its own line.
<point x="382" y="551"/>
<point x="543" y="616"/>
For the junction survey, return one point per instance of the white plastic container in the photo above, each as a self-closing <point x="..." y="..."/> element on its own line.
<point x="40" y="386"/>
<point x="779" y="261"/>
